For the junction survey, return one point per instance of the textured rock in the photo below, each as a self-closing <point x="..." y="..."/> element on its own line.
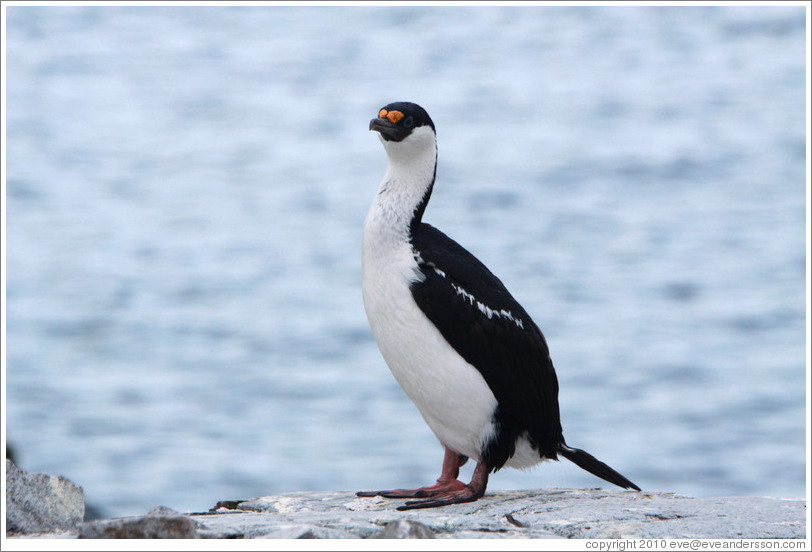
<point x="404" y="529"/>
<point x="36" y="502"/>
<point x="547" y="513"/>
<point x="160" y="523"/>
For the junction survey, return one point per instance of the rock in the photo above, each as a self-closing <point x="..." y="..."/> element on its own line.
<point x="546" y="513"/>
<point x="160" y="523"/>
<point x="529" y="514"/>
<point x="404" y="529"/>
<point x="163" y="511"/>
<point x="306" y="532"/>
<point x="37" y="502"/>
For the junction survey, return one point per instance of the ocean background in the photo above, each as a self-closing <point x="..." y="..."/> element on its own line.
<point x="185" y="193"/>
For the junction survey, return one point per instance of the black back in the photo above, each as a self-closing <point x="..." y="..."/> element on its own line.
<point x="508" y="350"/>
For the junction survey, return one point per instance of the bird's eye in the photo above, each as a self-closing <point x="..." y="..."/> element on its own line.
<point x="408" y="122"/>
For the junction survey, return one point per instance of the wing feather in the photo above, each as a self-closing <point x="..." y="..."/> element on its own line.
<point x="482" y="321"/>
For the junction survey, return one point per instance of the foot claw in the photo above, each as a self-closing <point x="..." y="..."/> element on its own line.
<point x="422" y="492"/>
<point x="406" y="493"/>
<point x="441" y="499"/>
<point x="447" y="490"/>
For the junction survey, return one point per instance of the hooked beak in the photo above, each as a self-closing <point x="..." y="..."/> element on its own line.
<point x="388" y="130"/>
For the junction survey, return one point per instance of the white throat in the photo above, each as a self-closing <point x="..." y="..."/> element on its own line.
<point x="387" y="259"/>
<point x="409" y="174"/>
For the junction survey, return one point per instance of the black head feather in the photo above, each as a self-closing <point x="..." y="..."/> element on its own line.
<point x="397" y="120"/>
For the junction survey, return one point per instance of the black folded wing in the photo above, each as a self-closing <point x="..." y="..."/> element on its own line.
<point x="479" y="318"/>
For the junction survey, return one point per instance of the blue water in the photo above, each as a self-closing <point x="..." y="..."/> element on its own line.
<point x="185" y="193"/>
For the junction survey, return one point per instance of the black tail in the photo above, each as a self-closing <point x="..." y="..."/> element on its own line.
<point x="586" y="461"/>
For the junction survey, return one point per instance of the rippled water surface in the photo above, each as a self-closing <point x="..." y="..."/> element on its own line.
<point x="185" y="193"/>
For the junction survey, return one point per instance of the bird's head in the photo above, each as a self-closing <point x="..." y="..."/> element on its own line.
<point x="405" y="129"/>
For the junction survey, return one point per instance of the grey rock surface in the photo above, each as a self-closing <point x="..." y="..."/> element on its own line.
<point x="160" y="523"/>
<point x="547" y="513"/>
<point x="404" y="529"/>
<point x="36" y="502"/>
<point x="536" y="514"/>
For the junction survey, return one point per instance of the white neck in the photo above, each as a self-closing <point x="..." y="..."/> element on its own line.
<point x="388" y="258"/>
<point x="409" y="175"/>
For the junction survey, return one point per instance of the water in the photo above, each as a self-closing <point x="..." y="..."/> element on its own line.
<point x="185" y="193"/>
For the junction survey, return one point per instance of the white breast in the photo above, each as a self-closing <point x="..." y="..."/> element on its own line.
<point x="452" y="395"/>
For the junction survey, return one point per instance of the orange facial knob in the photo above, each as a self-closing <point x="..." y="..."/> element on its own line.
<point x="394" y="116"/>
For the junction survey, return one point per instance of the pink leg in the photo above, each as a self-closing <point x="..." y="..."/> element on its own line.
<point x="467" y="493"/>
<point x="447" y="482"/>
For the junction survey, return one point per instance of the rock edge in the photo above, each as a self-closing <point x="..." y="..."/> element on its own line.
<point x="540" y="513"/>
<point x="36" y="502"/>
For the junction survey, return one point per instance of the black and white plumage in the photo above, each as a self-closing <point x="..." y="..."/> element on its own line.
<point x="462" y="348"/>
